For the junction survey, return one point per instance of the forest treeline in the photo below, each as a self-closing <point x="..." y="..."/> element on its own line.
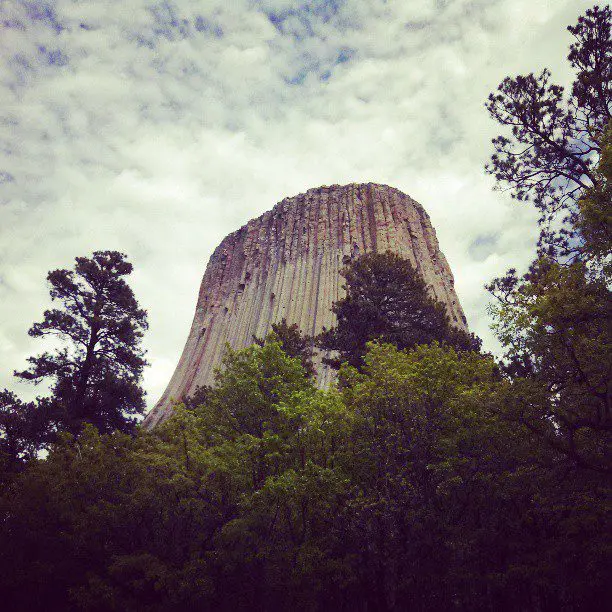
<point x="433" y="476"/>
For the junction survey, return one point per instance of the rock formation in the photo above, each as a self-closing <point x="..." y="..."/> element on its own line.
<point x="286" y="264"/>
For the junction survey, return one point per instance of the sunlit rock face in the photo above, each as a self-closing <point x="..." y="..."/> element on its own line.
<point x="286" y="264"/>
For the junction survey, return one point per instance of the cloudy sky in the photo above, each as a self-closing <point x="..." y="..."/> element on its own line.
<point x="156" y="128"/>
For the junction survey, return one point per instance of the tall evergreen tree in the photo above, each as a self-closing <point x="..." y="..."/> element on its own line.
<point x="554" y="142"/>
<point x="95" y="374"/>
<point x="387" y="300"/>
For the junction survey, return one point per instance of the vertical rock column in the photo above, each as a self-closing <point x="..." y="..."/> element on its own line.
<point x="286" y="264"/>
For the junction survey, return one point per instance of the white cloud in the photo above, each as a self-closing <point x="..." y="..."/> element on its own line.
<point x="156" y="128"/>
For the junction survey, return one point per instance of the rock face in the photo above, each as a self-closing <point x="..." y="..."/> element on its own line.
<point x="286" y="264"/>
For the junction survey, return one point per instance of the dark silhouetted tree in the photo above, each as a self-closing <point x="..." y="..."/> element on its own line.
<point x="25" y="429"/>
<point x="554" y="142"/>
<point x="387" y="300"/>
<point x="95" y="375"/>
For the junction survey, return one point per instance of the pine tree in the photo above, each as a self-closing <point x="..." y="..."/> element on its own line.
<point x="387" y="300"/>
<point x="95" y="375"/>
<point x="550" y="155"/>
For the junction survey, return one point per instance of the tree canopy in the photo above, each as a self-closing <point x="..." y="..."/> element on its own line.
<point x="408" y="489"/>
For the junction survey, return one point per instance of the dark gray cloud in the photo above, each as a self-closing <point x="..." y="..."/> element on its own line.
<point x="156" y="128"/>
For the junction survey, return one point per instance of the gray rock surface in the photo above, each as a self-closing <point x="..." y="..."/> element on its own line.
<point x="286" y="264"/>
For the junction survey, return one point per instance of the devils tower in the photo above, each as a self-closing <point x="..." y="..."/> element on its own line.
<point x="286" y="264"/>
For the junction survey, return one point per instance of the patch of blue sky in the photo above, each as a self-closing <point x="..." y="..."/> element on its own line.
<point x="302" y="24"/>
<point x="13" y="23"/>
<point x="326" y="9"/>
<point x="170" y="24"/>
<point x="22" y="69"/>
<point x="202" y="24"/>
<point x="483" y="246"/>
<point x="323" y="69"/>
<point x="167" y="23"/>
<point x="306" y="13"/>
<point x="300" y="76"/>
<point x="53" y="57"/>
<point x="293" y="23"/>
<point x="144" y="41"/>
<point x="346" y="54"/>
<point x="44" y="12"/>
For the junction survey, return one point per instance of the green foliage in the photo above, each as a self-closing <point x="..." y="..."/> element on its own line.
<point x="409" y="488"/>
<point x="594" y="218"/>
<point x="555" y="324"/>
<point x="252" y="382"/>
<point x="387" y="300"/>
<point x="294" y="343"/>
<point x="185" y="516"/>
<point x="25" y="428"/>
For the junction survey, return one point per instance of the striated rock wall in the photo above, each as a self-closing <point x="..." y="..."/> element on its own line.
<point x="286" y="263"/>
